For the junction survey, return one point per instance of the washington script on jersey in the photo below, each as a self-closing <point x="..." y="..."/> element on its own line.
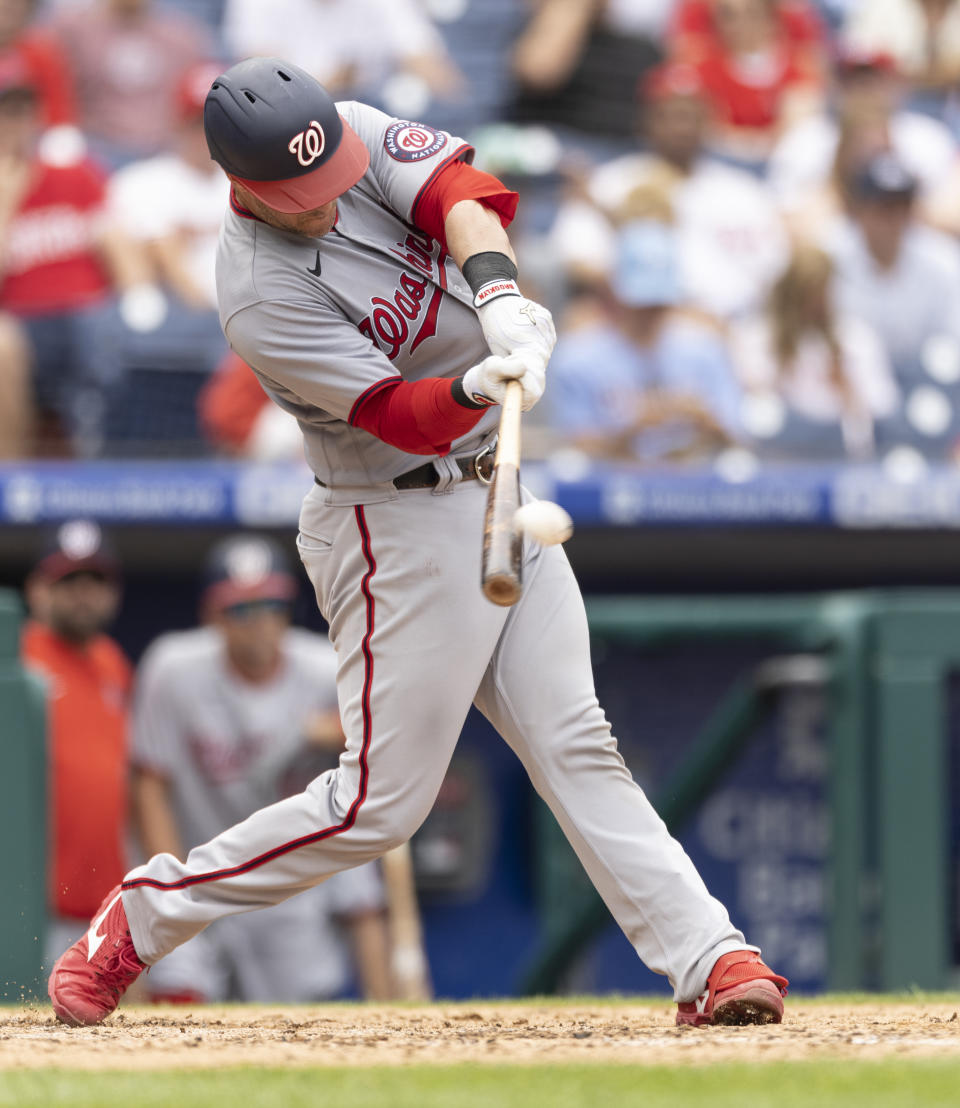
<point x="389" y="323"/>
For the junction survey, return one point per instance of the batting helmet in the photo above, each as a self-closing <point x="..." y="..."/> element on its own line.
<point x="276" y="130"/>
<point x="244" y="568"/>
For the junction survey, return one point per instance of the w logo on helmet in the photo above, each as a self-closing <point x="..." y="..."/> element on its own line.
<point x="308" y="145"/>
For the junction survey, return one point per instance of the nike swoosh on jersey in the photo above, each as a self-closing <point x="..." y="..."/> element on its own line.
<point x="316" y="268"/>
<point x="94" y="941"/>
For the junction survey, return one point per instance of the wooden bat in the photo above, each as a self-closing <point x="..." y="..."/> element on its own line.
<point x="501" y="575"/>
<point x="408" y="963"/>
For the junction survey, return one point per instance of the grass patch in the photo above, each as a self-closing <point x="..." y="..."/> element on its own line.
<point x="883" y="1084"/>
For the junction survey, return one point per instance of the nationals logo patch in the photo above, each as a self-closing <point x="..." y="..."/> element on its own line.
<point x="412" y="142"/>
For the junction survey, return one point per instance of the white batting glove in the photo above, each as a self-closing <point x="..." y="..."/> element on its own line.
<point x="486" y="382"/>
<point x="512" y="323"/>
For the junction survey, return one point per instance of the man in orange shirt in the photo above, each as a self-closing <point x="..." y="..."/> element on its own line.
<point x="72" y="594"/>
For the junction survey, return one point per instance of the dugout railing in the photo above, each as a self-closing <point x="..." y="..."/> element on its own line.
<point x="23" y="815"/>
<point x="884" y="658"/>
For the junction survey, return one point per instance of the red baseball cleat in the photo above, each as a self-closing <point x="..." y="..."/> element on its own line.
<point x="740" y="989"/>
<point x="88" y="979"/>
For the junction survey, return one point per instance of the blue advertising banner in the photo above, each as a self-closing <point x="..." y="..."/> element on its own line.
<point x="179" y="493"/>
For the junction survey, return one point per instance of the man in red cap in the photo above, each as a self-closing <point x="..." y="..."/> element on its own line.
<point x="73" y="593"/>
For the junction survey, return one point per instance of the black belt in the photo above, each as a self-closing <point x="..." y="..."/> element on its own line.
<point x="476" y="467"/>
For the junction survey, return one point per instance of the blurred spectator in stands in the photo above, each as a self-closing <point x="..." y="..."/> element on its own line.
<point x="228" y="718"/>
<point x="897" y="275"/>
<point x="812" y="162"/>
<point x="940" y="206"/>
<point x="923" y="36"/>
<point x="127" y="57"/>
<point x="72" y="595"/>
<point x="240" y="420"/>
<point x="387" y="52"/>
<point x="815" y="379"/>
<point x="577" y="62"/>
<point x="635" y="377"/>
<point x="43" y="59"/>
<point x="174" y="203"/>
<point x="172" y="206"/>
<point x="60" y="262"/>
<point x="731" y="241"/>
<point x="762" y="63"/>
<point x="817" y="213"/>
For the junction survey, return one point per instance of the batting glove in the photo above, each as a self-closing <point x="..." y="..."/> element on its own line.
<point x="486" y="382"/>
<point x="511" y="323"/>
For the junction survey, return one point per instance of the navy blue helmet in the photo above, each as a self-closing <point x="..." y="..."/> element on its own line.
<point x="276" y="130"/>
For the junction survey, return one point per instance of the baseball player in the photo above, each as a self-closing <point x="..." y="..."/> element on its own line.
<point x="365" y="273"/>
<point x="224" y="717"/>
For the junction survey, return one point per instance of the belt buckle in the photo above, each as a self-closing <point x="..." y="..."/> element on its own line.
<point x="477" y="463"/>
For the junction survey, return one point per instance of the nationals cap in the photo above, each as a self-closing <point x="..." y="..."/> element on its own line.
<point x="77" y="546"/>
<point x="276" y="130"/>
<point x="247" y="567"/>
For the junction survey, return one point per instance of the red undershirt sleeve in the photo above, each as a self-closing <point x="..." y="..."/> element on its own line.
<point x="424" y="417"/>
<point x="418" y="417"/>
<point x="455" y="182"/>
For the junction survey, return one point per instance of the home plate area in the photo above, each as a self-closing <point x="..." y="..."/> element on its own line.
<point x="608" y="1030"/>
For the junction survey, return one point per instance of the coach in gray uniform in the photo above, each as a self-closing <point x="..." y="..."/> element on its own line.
<point x="365" y="274"/>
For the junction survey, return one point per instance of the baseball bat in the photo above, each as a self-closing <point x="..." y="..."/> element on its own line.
<point x="501" y="575"/>
<point x="408" y="963"/>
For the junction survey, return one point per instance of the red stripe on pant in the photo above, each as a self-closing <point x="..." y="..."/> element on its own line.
<point x="350" y="818"/>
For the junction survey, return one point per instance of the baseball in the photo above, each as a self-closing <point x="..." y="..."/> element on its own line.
<point x="544" y="521"/>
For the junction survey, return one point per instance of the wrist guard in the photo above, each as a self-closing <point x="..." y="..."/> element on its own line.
<point x="490" y="274"/>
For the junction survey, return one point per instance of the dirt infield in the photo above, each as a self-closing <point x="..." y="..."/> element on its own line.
<point x="608" y="1031"/>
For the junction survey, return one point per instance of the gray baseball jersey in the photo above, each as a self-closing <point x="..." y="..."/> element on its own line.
<point x="324" y="321"/>
<point x="221" y="742"/>
<point x="397" y="577"/>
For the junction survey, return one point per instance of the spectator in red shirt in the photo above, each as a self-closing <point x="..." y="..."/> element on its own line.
<point x="72" y="594"/>
<point x="59" y="264"/>
<point x="762" y="63"/>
